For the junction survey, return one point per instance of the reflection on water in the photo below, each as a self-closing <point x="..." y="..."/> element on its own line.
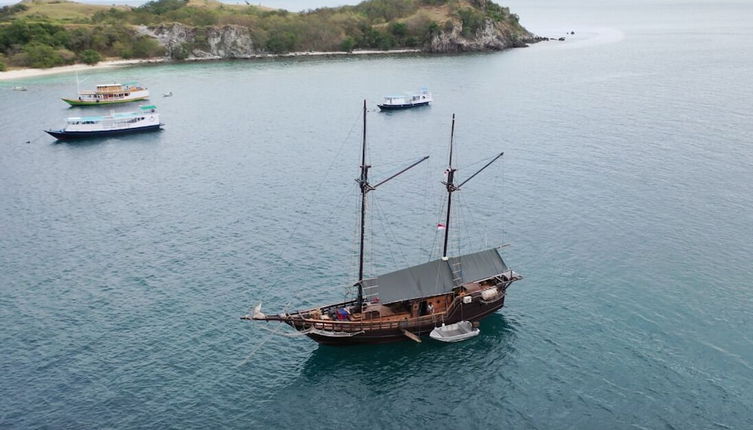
<point x="151" y="137"/>
<point x="497" y="332"/>
<point x="395" y="371"/>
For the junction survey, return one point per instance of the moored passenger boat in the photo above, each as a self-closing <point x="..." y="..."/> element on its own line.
<point x="145" y="119"/>
<point x="106" y="94"/>
<point x="410" y="302"/>
<point x="407" y="101"/>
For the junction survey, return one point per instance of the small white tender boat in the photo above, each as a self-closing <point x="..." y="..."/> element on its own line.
<point x="461" y="330"/>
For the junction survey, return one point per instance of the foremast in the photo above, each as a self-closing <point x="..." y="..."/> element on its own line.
<point x="363" y="183"/>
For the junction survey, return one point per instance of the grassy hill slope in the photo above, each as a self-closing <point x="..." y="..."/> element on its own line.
<point x="46" y="33"/>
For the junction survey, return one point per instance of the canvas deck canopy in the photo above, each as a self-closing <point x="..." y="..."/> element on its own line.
<point x="435" y="277"/>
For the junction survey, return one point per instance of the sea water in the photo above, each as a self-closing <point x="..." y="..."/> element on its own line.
<point x="624" y="192"/>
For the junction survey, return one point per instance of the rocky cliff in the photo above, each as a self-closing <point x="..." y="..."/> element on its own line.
<point x="235" y="41"/>
<point x="491" y="36"/>
<point x="184" y="42"/>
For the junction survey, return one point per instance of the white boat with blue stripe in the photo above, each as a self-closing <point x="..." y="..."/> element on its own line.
<point x="406" y="101"/>
<point x="144" y="119"/>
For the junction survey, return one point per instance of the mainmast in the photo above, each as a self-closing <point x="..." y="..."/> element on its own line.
<point x="451" y="187"/>
<point x="363" y="182"/>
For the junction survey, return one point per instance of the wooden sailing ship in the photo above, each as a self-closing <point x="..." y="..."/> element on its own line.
<point x="411" y="302"/>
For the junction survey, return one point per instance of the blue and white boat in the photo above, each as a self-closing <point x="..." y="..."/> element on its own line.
<point x="144" y="119"/>
<point x="406" y="101"/>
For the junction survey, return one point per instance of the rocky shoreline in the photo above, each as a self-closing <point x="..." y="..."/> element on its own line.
<point x="234" y="42"/>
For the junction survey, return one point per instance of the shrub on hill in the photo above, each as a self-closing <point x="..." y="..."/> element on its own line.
<point x="41" y="56"/>
<point x="90" y="56"/>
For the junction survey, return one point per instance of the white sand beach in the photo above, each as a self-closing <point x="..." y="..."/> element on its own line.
<point x="32" y="73"/>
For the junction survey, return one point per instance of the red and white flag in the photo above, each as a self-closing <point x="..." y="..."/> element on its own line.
<point x="441" y="226"/>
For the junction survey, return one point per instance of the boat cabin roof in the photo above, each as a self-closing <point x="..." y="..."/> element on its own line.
<point x="435" y="277"/>
<point x="118" y="115"/>
<point x="423" y="91"/>
<point x="115" y="87"/>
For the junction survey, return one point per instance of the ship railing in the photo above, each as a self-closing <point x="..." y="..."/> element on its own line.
<point x="354" y="326"/>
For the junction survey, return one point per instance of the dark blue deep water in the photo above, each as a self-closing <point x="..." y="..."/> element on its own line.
<point x="625" y="192"/>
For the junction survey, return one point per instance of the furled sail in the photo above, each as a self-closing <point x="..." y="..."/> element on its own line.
<point x="435" y="277"/>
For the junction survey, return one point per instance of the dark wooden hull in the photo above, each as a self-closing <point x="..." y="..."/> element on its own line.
<point x="402" y="106"/>
<point x="69" y="135"/>
<point x="422" y="326"/>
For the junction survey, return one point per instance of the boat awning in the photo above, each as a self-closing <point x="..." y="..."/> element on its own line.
<point x="86" y="118"/>
<point x="435" y="277"/>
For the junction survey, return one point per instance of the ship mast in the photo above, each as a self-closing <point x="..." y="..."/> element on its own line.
<point x="451" y="187"/>
<point x="363" y="183"/>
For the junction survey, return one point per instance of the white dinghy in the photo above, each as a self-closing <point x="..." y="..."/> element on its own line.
<point x="461" y="330"/>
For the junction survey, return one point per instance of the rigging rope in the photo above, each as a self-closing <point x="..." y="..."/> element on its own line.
<point x="280" y="251"/>
<point x="255" y="350"/>
<point x="437" y="243"/>
<point x="425" y="214"/>
<point x="391" y="236"/>
<point x="461" y="223"/>
<point x="312" y="198"/>
<point x="355" y="242"/>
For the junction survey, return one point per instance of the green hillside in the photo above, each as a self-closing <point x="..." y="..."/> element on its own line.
<point x="47" y="33"/>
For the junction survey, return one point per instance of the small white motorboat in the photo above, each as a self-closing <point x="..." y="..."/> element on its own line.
<point x="461" y="330"/>
<point x="422" y="98"/>
<point x="167" y="94"/>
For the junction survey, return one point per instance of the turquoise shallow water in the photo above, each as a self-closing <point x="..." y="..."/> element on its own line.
<point x="624" y="191"/>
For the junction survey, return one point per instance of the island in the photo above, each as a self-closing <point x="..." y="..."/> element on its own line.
<point x="50" y="33"/>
